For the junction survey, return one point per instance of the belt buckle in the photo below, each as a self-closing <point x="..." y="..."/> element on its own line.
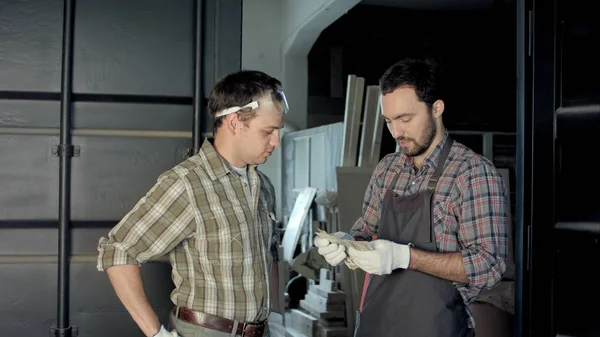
<point x="246" y="325"/>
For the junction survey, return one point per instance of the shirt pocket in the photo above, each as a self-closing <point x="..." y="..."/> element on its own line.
<point x="225" y="239"/>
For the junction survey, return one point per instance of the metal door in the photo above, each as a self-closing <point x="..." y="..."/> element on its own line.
<point x="559" y="205"/>
<point x="97" y="98"/>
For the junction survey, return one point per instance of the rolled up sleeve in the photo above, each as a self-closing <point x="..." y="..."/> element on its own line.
<point x="483" y="231"/>
<point x="157" y="223"/>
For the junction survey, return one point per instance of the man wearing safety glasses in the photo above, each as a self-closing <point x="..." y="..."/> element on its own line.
<point x="214" y="215"/>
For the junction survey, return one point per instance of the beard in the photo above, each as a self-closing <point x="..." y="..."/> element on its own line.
<point x="423" y="145"/>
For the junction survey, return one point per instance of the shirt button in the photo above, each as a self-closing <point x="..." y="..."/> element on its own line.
<point x="413" y="182"/>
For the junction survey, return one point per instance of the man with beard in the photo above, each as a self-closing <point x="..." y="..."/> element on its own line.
<point x="439" y="212"/>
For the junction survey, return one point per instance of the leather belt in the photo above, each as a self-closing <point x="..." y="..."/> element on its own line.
<point x="245" y="329"/>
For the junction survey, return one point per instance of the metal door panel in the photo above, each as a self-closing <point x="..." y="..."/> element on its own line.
<point x="134" y="47"/>
<point x="28" y="239"/>
<point x="99" y="315"/>
<point x="113" y="173"/>
<point x="133" y="106"/>
<point x="28" y="298"/>
<point x="29" y="303"/>
<point x="28" y="114"/>
<point x="132" y="116"/>
<point x="28" y="177"/>
<point x="223" y="49"/>
<point x="21" y="239"/>
<point x="31" y="37"/>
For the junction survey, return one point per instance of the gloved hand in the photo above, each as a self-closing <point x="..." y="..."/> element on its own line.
<point x="385" y="257"/>
<point x="164" y="333"/>
<point x="332" y="252"/>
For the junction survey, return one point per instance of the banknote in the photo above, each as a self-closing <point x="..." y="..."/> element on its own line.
<point x="358" y="245"/>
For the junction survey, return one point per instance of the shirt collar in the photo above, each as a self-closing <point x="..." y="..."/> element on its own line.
<point x="215" y="165"/>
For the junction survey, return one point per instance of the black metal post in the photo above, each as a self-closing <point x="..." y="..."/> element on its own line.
<point x="63" y="328"/>
<point x="198" y="73"/>
<point x="523" y="51"/>
<point x="542" y="168"/>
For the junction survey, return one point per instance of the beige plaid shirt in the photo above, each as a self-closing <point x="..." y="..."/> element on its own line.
<point x="217" y="229"/>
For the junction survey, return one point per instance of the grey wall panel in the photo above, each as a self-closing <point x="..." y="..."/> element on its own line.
<point x="29" y="303"/>
<point x="29" y="240"/>
<point x="228" y="42"/>
<point x="210" y="46"/>
<point x="30" y="43"/>
<point x="28" y="299"/>
<point x="31" y="114"/>
<point x="106" y="323"/>
<point x="28" y="177"/>
<point x="132" y="48"/>
<point x="113" y="173"/>
<point x="224" y="46"/>
<point x="139" y="47"/>
<point x="130" y="116"/>
<point x="84" y="241"/>
<point x="96" y="308"/>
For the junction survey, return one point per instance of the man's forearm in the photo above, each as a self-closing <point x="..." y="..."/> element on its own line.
<point x="448" y="266"/>
<point x="128" y="284"/>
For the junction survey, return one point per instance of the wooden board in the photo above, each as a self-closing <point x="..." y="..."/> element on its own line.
<point x="367" y="133"/>
<point x="352" y="183"/>
<point x="352" y="118"/>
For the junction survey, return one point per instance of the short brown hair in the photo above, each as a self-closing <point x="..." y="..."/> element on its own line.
<point x="239" y="89"/>
<point x="423" y="75"/>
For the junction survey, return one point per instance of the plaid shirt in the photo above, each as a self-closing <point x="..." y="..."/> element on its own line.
<point x="469" y="210"/>
<point x="217" y="231"/>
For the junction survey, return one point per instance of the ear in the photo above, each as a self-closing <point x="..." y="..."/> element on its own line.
<point x="231" y="122"/>
<point x="438" y="108"/>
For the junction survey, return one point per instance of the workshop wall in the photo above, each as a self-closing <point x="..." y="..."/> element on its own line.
<point x="132" y="116"/>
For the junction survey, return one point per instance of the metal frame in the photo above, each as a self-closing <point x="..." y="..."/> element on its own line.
<point x="63" y="327"/>
<point x="523" y="157"/>
<point x="541" y="171"/>
<point x="66" y="150"/>
<point x="198" y="71"/>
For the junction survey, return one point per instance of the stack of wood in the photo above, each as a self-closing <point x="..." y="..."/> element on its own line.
<point x="323" y="311"/>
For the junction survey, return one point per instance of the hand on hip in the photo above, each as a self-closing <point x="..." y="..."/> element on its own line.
<point x="164" y="333"/>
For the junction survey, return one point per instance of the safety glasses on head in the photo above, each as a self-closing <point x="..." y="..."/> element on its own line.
<point x="272" y="98"/>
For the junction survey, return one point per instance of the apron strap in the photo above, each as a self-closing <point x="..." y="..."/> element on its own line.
<point x="432" y="184"/>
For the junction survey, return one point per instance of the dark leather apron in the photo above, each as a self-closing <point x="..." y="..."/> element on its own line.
<point x="407" y="302"/>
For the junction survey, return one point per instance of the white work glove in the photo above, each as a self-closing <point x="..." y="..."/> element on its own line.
<point x="332" y="252"/>
<point x="164" y="333"/>
<point x="385" y="257"/>
<point x="276" y="328"/>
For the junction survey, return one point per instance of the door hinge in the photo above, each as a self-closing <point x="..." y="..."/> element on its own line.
<point x="187" y="152"/>
<point x="66" y="150"/>
<point x="71" y="331"/>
